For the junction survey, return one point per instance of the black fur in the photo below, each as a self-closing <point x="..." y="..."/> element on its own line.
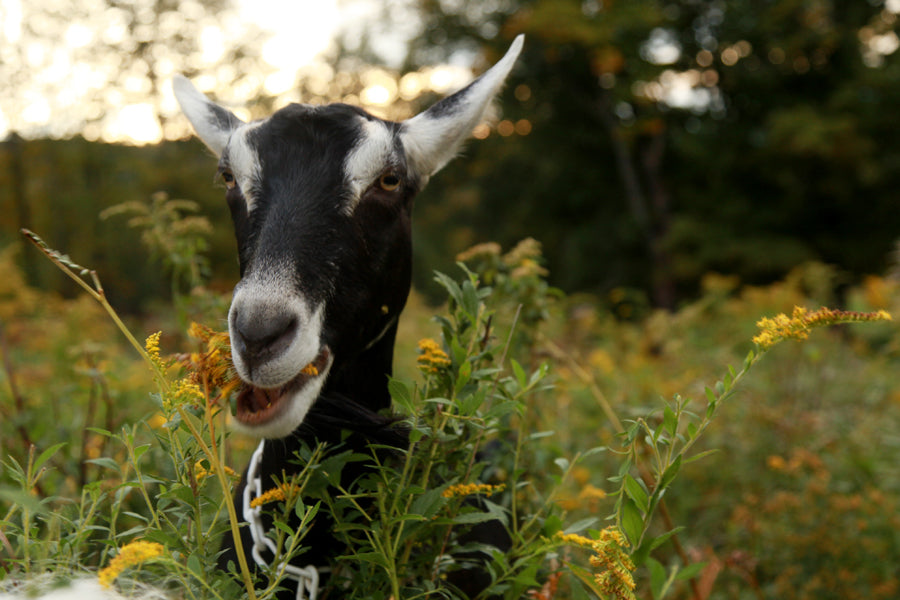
<point x="358" y="263"/>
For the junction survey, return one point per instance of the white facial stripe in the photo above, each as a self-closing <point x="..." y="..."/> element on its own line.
<point x="372" y="154"/>
<point x="244" y="161"/>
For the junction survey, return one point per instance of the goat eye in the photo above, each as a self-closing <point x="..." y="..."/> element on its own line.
<point x="228" y="178"/>
<point x="389" y="182"/>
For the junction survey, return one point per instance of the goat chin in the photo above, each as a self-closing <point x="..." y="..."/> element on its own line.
<point x="78" y="589"/>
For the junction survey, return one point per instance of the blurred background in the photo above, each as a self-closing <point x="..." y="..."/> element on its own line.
<point x="645" y="143"/>
<point x="688" y="166"/>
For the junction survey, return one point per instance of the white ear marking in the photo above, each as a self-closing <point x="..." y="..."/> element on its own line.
<point x="212" y="123"/>
<point x="431" y="139"/>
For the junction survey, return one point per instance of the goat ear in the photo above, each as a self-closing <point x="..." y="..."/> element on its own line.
<point x="432" y="138"/>
<point x="212" y="123"/>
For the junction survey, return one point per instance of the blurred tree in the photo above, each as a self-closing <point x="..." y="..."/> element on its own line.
<point x="647" y="142"/>
<point x="103" y="66"/>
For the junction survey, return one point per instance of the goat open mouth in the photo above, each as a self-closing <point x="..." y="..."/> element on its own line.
<point x="258" y="406"/>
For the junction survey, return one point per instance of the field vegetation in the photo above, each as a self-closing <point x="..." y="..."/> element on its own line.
<point x="623" y="455"/>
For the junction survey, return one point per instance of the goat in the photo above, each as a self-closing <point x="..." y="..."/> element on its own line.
<point x="321" y="200"/>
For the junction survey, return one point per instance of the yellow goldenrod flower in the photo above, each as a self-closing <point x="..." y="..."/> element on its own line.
<point x="130" y="555"/>
<point x="432" y="358"/>
<point x="310" y="369"/>
<point x="487" y="249"/>
<point x="801" y="321"/>
<point x="157" y="421"/>
<point x="575" y="540"/>
<point x="187" y="391"/>
<point x="467" y="489"/>
<point x="527" y="249"/>
<point x="591" y="492"/>
<point x="211" y="368"/>
<point x="200" y="472"/>
<point x="151" y="345"/>
<point x="776" y="463"/>
<point x="616" y="579"/>
<point x="276" y="494"/>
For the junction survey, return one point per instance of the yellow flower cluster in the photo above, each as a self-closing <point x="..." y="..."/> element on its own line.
<point x="573" y="539"/>
<point x="528" y="249"/>
<point x="467" y="489"/>
<point x="310" y="370"/>
<point x="432" y="358"/>
<point x="211" y="367"/>
<point x="485" y="250"/>
<point x="529" y="268"/>
<point x="187" y="391"/>
<point x="200" y="472"/>
<point x="130" y="555"/>
<point x="276" y="494"/>
<point x="801" y="321"/>
<point x="616" y="580"/>
<point x="151" y="345"/>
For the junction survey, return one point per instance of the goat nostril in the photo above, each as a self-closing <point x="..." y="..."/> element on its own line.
<point x="265" y="336"/>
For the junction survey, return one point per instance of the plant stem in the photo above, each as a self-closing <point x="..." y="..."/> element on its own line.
<point x="229" y="502"/>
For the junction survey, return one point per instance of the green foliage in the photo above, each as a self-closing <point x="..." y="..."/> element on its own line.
<point x="596" y="482"/>
<point x="781" y="107"/>
<point x="178" y="241"/>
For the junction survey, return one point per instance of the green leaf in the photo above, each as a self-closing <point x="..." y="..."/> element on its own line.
<point x="375" y="558"/>
<point x="105" y="462"/>
<point x="692" y="431"/>
<point x="632" y="522"/>
<point x="669" y="474"/>
<point x="579" y="526"/>
<point x="20" y="498"/>
<point x="450" y="285"/>
<point x="700" y="455"/>
<point x="470" y="518"/>
<point x="636" y="492"/>
<point x="428" y="504"/>
<point x="400" y="392"/>
<point x="463" y="375"/>
<point x="196" y="567"/>
<point x="519" y="372"/>
<point x="587" y="578"/>
<point x="562" y="463"/>
<point x="470" y="299"/>
<point x="657" y="578"/>
<point x="670" y="421"/>
<point x="46" y="455"/>
<point x="283" y="527"/>
<point x="140" y="451"/>
<point x="662" y="539"/>
<point x="552" y="524"/>
<point x="690" y="571"/>
<point x="748" y="362"/>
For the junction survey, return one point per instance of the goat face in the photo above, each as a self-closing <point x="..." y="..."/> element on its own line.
<point x="321" y="198"/>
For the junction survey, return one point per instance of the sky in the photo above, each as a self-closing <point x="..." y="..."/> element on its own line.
<point x="58" y="84"/>
<point x="302" y="29"/>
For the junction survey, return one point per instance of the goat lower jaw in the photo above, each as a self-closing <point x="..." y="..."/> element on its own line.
<point x="267" y="411"/>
